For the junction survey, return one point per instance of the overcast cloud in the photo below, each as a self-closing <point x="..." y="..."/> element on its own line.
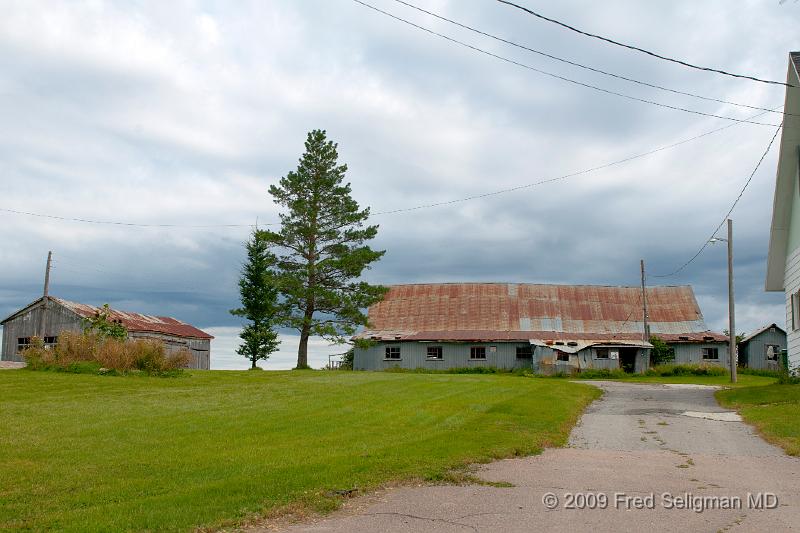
<point x="185" y="112"/>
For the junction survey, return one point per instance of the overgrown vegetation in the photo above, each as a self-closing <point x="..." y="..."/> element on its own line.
<point x="686" y="370"/>
<point x="661" y="353"/>
<point x="94" y="353"/>
<point x="103" y="325"/>
<point x="774" y="410"/>
<point x="602" y="373"/>
<point x="83" y="453"/>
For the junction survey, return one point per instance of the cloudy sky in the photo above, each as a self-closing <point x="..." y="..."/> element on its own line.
<point x="184" y="112"/>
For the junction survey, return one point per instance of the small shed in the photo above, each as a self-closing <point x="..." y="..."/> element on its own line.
<point x="761" y="349"/>
<point x="48" y="317"/>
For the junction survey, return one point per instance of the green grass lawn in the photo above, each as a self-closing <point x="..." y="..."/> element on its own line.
<point x="100" y="453"/>
<point x="774" y="410"/>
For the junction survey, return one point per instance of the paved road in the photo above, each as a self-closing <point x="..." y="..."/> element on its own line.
<point x="631" y="446"/>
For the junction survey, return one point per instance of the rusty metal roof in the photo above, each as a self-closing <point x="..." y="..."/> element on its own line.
<point x="517" y="311"/>
<point x="137" y="322"/>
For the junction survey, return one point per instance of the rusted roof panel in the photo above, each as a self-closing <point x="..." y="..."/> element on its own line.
<point x="138" y="322"/>
<point x="501" y="311"/>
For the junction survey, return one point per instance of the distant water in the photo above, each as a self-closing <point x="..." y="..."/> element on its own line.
<point x="226" y="340"/>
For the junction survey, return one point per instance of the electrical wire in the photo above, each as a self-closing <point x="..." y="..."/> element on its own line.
<point x="586" y="67"/>
<point x="642" y="50"/>
<point x="556" y="76"/>
<point x="559" y="178"/>
<point x="132" y="224"/>
<point x="707" y="241"/>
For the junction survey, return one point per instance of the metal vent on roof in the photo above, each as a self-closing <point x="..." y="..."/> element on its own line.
<point x="707" y="338"/>
<point x="572" y="343"/>
<point x="559" y="343"/>
<point x="683" y="338"/>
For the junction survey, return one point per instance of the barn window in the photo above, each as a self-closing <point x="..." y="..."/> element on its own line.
<point x="392" y="352"/>
<point x="434" y="352"/>
<point x="601" y="353"/>
<point x="49" y="342"/>
<point x="710" y="353"/>
<point x="771" y="352"/>
<point x="524" y="352"/>
<point x="477" y="352"/>
<point x="22" y="343"/>
<point x="562" y="356"/>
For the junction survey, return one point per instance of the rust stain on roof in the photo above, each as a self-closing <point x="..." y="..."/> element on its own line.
<point x="516" y="311"/>
<point x="138" y="322"/>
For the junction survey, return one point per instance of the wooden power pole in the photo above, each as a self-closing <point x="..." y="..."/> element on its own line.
<point x="43" y="321"/>
<point x="731" y="313"/>
<point x="645" y="327"/>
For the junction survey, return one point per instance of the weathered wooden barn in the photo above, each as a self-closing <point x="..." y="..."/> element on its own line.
<point x="48" y="317"/>
<point x="762" y="349"/>
<point x="549" y="328"/>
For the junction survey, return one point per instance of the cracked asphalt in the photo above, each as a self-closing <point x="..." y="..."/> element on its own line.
<point x="643" y="457"/>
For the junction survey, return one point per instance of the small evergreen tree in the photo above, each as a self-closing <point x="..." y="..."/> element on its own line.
<point x="323" y="248"/>
<point x="260" y="306"/>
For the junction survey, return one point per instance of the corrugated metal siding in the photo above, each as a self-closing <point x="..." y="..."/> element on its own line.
<point x="60" y="319"/>
<point x="753" y="352"/>
<point x="792" y="285"/>
<point x="28" y="324"/>
<point x="454" y="355"/>
<point x="409" y="310"/>
<point x="693" y="353"/>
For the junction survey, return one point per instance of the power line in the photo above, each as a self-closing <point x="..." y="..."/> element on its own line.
<point x="586" y="67"/>
<point x="133" y="224"/>
<point x="705" y="244"/>
<point x="642" y="50"/>
<point x="422" y="206"/>
<point x="556" y="76"/>
<point x="559" y="178"/>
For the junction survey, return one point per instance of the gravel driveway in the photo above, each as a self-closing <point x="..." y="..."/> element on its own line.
<point x="643" y="458"/>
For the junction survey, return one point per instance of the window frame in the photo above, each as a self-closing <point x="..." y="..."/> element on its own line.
<point x="526" y="351"/>
<point x="439" y="353"/>
<point x="607" y="352"/>
<point x="562" y="356"/>
<point x="477" y="349"/>
<point x="777" y="352"/>
<point x="23" y="343"/>
<point x="709" y="349"/>
<point x="390" y="349"/>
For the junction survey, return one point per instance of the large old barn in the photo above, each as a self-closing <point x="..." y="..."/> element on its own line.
<point x="549" y="328"/>
<point x="48" y="317"/>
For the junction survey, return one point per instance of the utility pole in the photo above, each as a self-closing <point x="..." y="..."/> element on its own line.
<point x="43" y="321"/>
<point x="731" y="313"/>
<point x="645" y="328"/>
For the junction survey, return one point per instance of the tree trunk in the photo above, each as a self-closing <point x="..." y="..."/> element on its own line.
<point x="254" y="363"/>
<point x="302" y="350"/>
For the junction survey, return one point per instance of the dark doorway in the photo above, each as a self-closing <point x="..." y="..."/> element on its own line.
<point x="627" y="359"/>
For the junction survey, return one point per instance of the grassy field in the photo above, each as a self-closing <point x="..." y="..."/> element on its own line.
<point x="774" y="410"/>
<point x="86" y="452"/>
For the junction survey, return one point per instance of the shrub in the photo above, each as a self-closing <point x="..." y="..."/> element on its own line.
<point x="686" y="370"/>
<point x="91" y="352"/>
<point x="601" y="373"/>
<point x="760" y="372"/>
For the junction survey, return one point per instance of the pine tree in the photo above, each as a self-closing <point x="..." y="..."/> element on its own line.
<point x="260" y="306"/>
<point x="322" y="248"/>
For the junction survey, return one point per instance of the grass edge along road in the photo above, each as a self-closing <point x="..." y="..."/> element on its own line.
<point x="217" y="448"/>
<point x="774" y="410"/>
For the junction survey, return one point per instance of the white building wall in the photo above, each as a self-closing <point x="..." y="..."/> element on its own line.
<point x="791" y="286"/>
